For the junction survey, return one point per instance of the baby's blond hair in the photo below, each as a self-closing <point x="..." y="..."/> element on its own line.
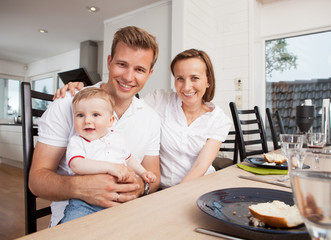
<point x="94" y="92"/>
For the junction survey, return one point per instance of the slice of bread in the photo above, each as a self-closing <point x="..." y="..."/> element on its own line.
<point x="274" y="158"/>
<point x="276" y="214"/>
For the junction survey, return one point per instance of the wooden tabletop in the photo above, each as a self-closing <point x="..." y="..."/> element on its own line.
<point x="168" y="214"/>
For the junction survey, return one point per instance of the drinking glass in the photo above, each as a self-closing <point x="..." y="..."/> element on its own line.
<point x="315" y="140"/>
<point x="289" y="141"/>
<point x="312" y="196"/>
<point x="295" y="158"/>
<point x="312" y="192"/>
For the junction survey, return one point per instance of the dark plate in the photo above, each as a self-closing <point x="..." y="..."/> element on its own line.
<point x="221" y="204"/>
<point x="259" y="161"/>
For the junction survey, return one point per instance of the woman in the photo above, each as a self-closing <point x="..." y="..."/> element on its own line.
<point x="193" y="128"/>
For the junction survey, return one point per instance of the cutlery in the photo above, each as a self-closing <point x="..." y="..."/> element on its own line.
<point x="259" y="179"/>
<point x="216" y="234"/>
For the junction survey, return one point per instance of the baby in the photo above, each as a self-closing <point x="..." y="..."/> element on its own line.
<point x="97" y="149"/>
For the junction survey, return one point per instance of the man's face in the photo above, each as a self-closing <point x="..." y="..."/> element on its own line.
<point x="129" y="70"/>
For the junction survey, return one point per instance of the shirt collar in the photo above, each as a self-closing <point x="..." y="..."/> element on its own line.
<point x="135" y="105"/>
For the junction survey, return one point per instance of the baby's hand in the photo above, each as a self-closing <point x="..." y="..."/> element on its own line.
<point x="149" y="177"/>
<point x="121" y="172"/>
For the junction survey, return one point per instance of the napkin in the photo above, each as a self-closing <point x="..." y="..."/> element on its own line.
<point x="262" y="171"/>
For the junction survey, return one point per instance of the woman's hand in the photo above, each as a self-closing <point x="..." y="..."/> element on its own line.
<point x="70" y="86"/>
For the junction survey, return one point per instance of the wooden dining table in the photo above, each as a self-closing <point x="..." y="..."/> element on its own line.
<point x="171" y="213"/>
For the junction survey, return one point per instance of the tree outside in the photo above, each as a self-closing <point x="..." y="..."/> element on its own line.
<point x="278" y="58"/>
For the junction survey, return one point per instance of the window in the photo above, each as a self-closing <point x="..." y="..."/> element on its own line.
<point x="42" y="85"/>
<point x="47" y="83"/>
<point x="297" y="69"/>
<point x="9" y="99"/>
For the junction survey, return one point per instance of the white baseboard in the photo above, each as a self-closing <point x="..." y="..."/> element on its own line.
<point x="11" y="162"/>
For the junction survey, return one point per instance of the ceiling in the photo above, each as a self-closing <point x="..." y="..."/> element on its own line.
<point x="68" y="23"/>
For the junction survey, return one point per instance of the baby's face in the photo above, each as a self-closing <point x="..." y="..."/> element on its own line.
<point x="92" y="118"/>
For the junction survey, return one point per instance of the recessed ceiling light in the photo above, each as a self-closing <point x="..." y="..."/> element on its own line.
<point x="43" y="31"/>
<point x="92" y="9"/>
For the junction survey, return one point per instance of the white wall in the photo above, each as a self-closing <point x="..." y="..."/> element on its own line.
<point x="289" y="17"/>
<point x="8" y="68"/>
<point x="233" y="32"/>
<point x="284" y="18"/>
<point x="63" y="62"/>
<point x="156" y="19"/>
<point x="221" y="29"/>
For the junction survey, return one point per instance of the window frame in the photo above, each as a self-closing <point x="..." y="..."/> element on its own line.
<point x="46" y="75"/>
<point x="282" y="36"/>
<point x="20" y="79"/>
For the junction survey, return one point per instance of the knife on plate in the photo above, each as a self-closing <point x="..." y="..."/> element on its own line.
<point x="259" y="179"/>
<point x="216" y="234"/>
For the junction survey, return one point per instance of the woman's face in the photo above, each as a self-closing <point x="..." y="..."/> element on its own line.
<point x="191" y="80"/>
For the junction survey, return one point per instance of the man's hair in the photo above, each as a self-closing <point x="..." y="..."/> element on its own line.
<point x="94" y="92"/>
<point x="194" y="53"/>
<point x="136" y="38"/>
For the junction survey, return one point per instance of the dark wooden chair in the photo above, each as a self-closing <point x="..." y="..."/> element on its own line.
<point x="275" y="122"/>
<point x="29" y="130"/>
<point x="250" y="133"/>
<point x="229" y="145"/>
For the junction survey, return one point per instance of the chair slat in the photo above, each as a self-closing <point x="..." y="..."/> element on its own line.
<point x="248" y="122"/>
<point x="250" y="132"/>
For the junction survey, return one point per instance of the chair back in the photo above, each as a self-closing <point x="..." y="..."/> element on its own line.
<point x="250" y="133"/>
<point x="29" y="130"/>
<point x="230" y="145"/>
<point x="275" y="122"/>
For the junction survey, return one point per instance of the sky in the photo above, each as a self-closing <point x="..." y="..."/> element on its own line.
<point x="313" y="58"/>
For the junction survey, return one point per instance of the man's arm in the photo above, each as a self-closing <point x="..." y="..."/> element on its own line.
<point x="98" y="189"/>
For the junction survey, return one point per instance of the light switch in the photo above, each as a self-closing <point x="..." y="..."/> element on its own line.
<point x="239" y="101"/>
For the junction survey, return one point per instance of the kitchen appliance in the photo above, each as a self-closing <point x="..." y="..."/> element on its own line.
<point x="305" y="116"/>
<point x="88" y="62"/>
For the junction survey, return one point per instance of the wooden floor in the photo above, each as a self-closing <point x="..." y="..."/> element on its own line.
<point x="12" y="204"/>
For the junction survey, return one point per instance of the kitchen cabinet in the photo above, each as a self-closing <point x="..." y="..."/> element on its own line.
<point x="11" y="145"/>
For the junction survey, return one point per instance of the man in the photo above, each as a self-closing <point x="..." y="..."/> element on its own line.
<point x="133" y="55"/>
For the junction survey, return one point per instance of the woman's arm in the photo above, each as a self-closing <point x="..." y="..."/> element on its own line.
<point x="206" y="157"/>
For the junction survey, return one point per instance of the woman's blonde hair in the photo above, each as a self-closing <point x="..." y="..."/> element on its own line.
<point x="194" y="53"/>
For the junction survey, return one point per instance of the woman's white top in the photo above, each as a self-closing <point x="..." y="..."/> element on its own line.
<point x="181" y="144"/>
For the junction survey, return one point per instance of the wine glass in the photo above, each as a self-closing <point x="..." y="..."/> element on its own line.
<point x="312" y="194"/>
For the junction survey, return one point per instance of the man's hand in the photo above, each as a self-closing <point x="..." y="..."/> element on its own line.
<point x="104" y="191"/>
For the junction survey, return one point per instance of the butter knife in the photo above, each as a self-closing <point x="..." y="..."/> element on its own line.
<point x="216" y="234"/>
<point x="259" y="179"/>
